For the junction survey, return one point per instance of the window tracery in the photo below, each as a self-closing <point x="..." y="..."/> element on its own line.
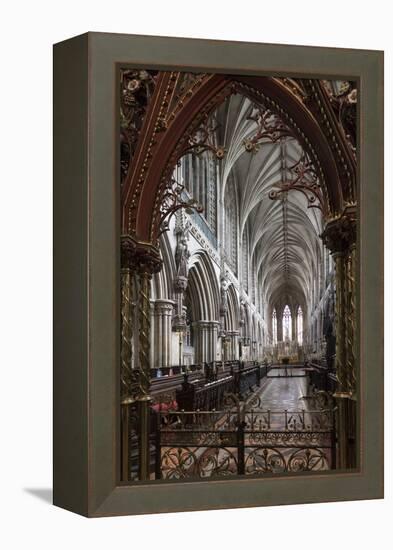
<point x="300" y="326"/>
<point x="287" y="323"/>
<point x="200" y="179"/>
<point x="231" y="226"/>
<point x="274" y="326"/>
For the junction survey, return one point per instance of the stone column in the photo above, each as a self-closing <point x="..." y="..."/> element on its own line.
<point x="163" y="310"/>
<point x="207" y="335"/>
<point x="233" y="347"/>
<point x="317" y="330"/>
<point x="279" y="326"/>
<point x="213" y="337"/>
<point x="153" y="337"/>
<point x="223" y="312"/>
<point x="293" y="320"/>
<point x="199" y="342"/>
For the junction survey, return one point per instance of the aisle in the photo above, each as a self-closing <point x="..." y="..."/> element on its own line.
<point x="279" y="394"/>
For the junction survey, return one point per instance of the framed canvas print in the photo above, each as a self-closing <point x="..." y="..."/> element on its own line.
<point x="218" y="260"/>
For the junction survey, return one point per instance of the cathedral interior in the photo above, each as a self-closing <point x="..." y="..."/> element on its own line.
<point x="238" y="249"/>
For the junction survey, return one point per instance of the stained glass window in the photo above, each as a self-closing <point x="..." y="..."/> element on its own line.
<point x="231" y="226"/>
<point x="274" y="326"/>
<point x="300" y="326"/>
<point x="287" y="323"/>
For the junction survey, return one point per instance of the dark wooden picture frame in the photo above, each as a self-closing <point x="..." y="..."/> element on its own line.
<point x="87" y="273"/>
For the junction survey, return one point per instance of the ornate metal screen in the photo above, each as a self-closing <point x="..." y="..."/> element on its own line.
<point x="246" y="441"/>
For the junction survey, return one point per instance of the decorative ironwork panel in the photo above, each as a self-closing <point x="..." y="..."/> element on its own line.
<point x="246" y="442"/>
<point x="289" y="420"/>
<point x="288" y="439"/>
<point x="198" y="438"/>
<point x="264" y="460"/>
<point x="201" y="462"/>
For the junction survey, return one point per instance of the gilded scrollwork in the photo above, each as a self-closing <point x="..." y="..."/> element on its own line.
<point x="343" y="98"/>
<point x="172" y="201"/>
<point x="327" y="111"/>
<point x="270" y="128"/>
<point x="305" y="180"/>
<point x="311" y="158"/>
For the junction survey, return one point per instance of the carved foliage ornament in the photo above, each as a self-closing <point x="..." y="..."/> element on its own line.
<point x="343" y="99"/>
<point x="340" y="233"/>
<point x="326" y="109"/>
<point x="137" y="87"/>
<point x="142" y="257"/>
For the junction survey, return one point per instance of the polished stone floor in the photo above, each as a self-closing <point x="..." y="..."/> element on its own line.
<point x="284" y="393"/>
<point x="274" y="411"/>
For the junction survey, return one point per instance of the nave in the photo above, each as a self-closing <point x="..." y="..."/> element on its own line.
<point x="238" y="286"/>
<point x="284" y="390"/>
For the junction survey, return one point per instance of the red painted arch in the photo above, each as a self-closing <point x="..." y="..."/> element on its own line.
<point x="210" y="94"/>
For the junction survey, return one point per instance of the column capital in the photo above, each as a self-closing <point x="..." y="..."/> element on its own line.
<point x="163" y="306"/>
<point x="141" y="256"/>
<point x="233" y="332"/>
<point x="339" y="234"/>
<point x="180" y="283"/>
<point x="206" y="324"/>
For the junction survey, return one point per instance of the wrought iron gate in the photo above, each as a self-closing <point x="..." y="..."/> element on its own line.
<point x="245" y="440"/>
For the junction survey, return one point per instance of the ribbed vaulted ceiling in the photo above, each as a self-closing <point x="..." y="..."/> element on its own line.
<point x="284" y="233"/>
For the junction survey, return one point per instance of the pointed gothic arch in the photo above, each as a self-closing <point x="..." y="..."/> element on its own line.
<point x="232" y="315"/>
<point x="147" y="201"/>
<point x="141" y="204"/>
<point x="203" y="282"/>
